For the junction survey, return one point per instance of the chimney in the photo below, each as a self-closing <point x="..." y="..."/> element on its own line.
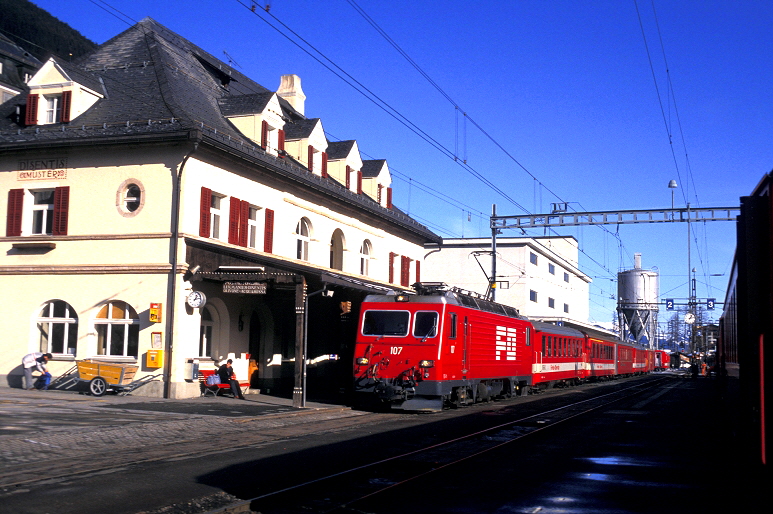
<point x="637" y="261"/>
<point x="290" y="90"/>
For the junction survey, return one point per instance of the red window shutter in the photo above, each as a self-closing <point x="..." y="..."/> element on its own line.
<point x="31" y="114"/>
<point x="310" y="163"/>
<point x="244" y="223"/>
<point x="61" y="208"/>
<point x="324" y="164"/>
<point x="418" y="271"/>
<point x="268" y="236"/>
<point x="405" y="271"/>
<point x="264" y="134"/>
<point x="233" y="221"/>
<point x="359" y="182"/>
<point x="66" y="104"/>
<point x="281" y="143"/>
<point x="389" y="199"/>
<point x="15" y="204"/>
<point x="348" y="177"/>
<point x="206" y="201"/>
<point x="392" y="256"/>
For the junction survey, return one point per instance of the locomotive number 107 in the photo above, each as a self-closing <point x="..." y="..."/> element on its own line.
<point x="396" y="350"/>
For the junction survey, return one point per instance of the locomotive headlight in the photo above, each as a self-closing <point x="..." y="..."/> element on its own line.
<point x="426" y="364"/>
<point x="362" y="361"/>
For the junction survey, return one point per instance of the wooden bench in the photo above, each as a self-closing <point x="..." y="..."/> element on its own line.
<point x="214" y="390"/>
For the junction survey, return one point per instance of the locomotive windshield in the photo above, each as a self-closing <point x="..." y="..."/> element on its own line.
<point x="386" y="323"/>
<point x="425" y="325"/>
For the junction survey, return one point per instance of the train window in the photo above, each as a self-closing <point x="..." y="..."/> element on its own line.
<point x="385" y="323"/>
<point x="452" y="328"/>
<point x="544" y="346"/>
<point x="425" y="324"/>
<point x="528" y="336"/>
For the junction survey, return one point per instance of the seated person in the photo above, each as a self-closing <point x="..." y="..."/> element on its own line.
<point x="226" y="373"/>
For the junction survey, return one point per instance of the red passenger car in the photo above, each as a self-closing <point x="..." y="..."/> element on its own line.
<point x="601" y="358"/>
<point x="662" y="360"/>
<point x="559" y="357"/>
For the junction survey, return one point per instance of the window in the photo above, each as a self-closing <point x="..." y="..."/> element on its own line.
<point x="57" y="327"/>
<point x="205" y="333"/>
<point x="425" y="324"/>
<point x="385" y="323"/>
<point x="566" y="308"/>
<point x="214" y="216"/>
<point x="53" y="108"/>
<point x="452" y="328"/>
<point x="118" y="330"/>
<point x="303" y="235"/>
<point x="551" y="303"/>
<point x="130" y="198"/>
<point x="38" y="212"/>
<point x="533" y="258"/>
<point x="551" y="268"/>
<point x="566" y="277"/>
<point x="42" y="212"/>
<point x="366" y="251"/>
<point x="252" y="227"/>
<point x="337" y="244"/>
<point x="533" y="296"/>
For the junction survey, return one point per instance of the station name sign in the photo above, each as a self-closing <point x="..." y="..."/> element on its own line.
<point x="43" y="169"/>
<point x="245" y="287"/>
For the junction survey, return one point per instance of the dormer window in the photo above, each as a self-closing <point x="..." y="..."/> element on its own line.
<point x="48" y="109"/>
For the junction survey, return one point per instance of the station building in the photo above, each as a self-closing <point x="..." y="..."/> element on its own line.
<point x="166" y="210"/>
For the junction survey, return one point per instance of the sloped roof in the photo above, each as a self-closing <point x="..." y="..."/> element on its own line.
<point x="159" y="84"/>
<point x="339" y="149"/>
<point x="301" y="129"/>
<point x="371" y="168"/>
<point x="244" y="104"/>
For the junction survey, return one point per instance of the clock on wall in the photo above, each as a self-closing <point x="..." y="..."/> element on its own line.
<point x="689" y="318"/>
<point x="196" y="299"/>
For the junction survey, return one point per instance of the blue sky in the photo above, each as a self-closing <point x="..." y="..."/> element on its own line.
<point x="567" y="88"/>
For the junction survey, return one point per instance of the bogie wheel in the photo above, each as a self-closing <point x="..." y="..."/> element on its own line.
<point x="98" y="386"/>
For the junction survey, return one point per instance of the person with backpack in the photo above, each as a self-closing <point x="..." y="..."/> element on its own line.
<point x="34" y="361"/>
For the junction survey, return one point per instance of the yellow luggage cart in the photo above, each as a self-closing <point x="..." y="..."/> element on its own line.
<point x="106" y="376"/>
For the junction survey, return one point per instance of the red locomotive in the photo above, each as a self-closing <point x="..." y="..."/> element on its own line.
<point x="444" y="346"/>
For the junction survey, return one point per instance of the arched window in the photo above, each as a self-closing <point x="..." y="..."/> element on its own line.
<point x="303" y="234"/>
<point x="118" y="330"/>
<point x="205" y="333"/>
<point x="57" y="328"/>
<point x="366" y="252"/>
<point x="337" y="244"/>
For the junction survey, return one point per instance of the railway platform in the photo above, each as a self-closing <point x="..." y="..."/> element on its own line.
<point x="675" y="449"/>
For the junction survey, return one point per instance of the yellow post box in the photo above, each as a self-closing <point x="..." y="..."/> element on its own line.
<point x="154" y="359"/>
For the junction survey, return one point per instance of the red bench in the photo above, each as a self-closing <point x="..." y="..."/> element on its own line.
<point x="215" y="389"/>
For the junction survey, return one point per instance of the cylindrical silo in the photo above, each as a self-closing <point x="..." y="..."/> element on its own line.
<point x="637" y="303"/>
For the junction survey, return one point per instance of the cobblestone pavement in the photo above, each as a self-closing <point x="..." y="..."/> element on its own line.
<point x="45" y="435"/>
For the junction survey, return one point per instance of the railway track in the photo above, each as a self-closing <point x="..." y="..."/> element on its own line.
<point x="351" y="489"/>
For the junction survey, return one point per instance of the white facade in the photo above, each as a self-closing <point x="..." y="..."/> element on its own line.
<point x="538" y="276"/>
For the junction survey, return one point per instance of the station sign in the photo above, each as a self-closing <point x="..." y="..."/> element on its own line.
<point x="245" y="287"/>
<point x="669" y="304"/>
